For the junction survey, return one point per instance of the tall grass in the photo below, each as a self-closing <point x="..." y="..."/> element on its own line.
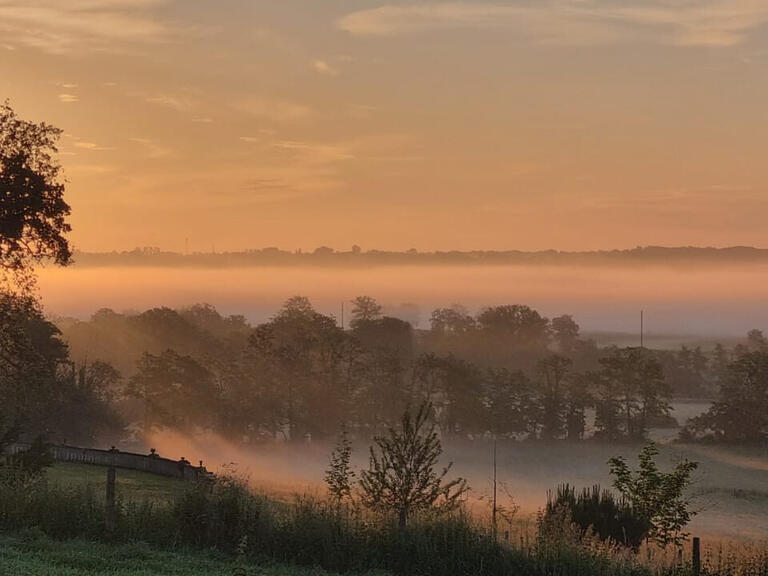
<point x="228" y="517"/>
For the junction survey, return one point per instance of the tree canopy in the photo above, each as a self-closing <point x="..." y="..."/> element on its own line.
<point x="33" y="213"/>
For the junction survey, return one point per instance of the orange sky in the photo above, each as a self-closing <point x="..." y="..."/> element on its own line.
<point x="573" y="124"/>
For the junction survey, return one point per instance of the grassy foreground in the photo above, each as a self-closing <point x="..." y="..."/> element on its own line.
<point x="33" y="554"/>
<point x="55" y="525"/>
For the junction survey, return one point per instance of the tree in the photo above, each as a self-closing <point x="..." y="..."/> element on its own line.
<point x="33" y="224"/>
<point x="454" y="320"/>
<point x="756" y="341"/>
<point x="388" y="345"/>
<point x="658" y="496"/>
<point x="85" y="410"/>
<point x="339" y="475"/>
<point x="566" y="333"/>
<point x="299" y="354"/>
<point x="518" y="324"/>
<point x="741" y="412"/>
<point x="454" y="388"/>
<point x="553" y="380"/>
<point x="402" y="476"/>
<point x="510" y="402"/>
<point x="577" y="399"/>
<point x="364" y="309"/>
<point x="631" y="393"/>
<point x="177" y="391"/>
<point x="31" y="357"/>
<point x="33" y="213"/>
<point x="511" y="335"/>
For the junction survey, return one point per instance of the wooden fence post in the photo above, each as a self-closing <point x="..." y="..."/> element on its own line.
<point x="696" y="564"/>
<point x="111" y="519"/>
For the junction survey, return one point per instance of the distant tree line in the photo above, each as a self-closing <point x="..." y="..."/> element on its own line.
<point x="507" y="371"/>
<point x="356" y="256"/>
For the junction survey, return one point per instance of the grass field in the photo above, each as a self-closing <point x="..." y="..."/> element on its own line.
<point x="230" y="521"/>
<point x="31" y="554"/>
<point x="133" y="485"/>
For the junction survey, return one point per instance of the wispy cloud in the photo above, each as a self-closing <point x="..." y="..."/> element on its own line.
<point x="312" y="152"/>
<point x="62" y="26"/>
<point x="684" y="23"/>
<point x="178" y="103"/>
<point x="688" y="198"/>
<point x="270" y="109"/>
<point x="152" y="149"/>
<point x="322" y="67"/>
<point x="91" y="146"/>
<point x="68" y="98"/>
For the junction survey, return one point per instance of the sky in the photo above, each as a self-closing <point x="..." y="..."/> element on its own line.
<point x="516" y="124"/>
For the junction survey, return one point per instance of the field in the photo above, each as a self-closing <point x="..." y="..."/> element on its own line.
<point x="134" y="485"/>
<point x="730" y="491"/>
<point x="32" y="554"/>
<point x="308" y="533"/>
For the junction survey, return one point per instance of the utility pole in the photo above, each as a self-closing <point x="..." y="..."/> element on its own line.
<point x="494" y="526"/>
<point x="342" y="314"/>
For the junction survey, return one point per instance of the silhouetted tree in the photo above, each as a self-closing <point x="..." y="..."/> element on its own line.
<point x="339" y="476"/>
<point x="741" y="412"/>
<point x="512" y="335"/>
<point x="510" y="403"/>
<point x="455" y="389"/>
<point x="176" y="391"/>
<point x="300" y="355"/>
<point x="454" y="320"/>
<point x="365" y="309"/>
<point x="388" y="345"/>
<point x="577" y="398"/>
<point x="631" y="393"/>
<point x="33" y="213"/>
<point x="402" y="476"/>
<point x="553" y="374"/>
<point x="658" y="496"/>
<point x="31" y="356"/>
<point x="756" y="341"/>
<point x="566" y="333"/>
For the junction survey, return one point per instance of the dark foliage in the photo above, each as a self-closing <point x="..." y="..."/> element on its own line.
<point x="597" y="510"/>
<point x="33" y="212"/>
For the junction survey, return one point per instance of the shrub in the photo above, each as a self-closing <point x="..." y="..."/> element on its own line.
<point x="597" y="510"/>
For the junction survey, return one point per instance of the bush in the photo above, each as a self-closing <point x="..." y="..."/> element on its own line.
<point x="597" y="510"/>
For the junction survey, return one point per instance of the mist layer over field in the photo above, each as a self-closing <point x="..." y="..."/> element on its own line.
<point x="729" y="490"/>
<point x="707" y="300"/>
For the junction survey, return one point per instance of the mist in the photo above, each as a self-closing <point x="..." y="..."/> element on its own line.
<point x="702" y="300"/>
<point x="526" y="472"/>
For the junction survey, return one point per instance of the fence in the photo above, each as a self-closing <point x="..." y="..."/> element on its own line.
<point x="151" y="463"/>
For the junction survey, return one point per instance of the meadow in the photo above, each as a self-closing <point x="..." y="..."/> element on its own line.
<point x="168" y="526"/>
